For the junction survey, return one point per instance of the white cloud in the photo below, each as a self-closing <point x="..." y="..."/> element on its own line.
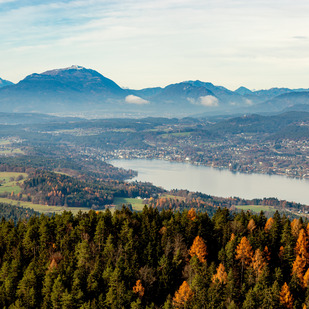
<point x="209" y="100"/>
<point x="133" y="99"/>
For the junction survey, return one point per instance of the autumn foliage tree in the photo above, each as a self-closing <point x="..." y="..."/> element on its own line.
<point x="191" y="214"/>
<point x="286" y="298"/>
<point x="258" y="263"/>
<point x="199" y="249"/>
<point x="251" y="225"/>
<point x="139" y="289"/>
<point x="244" y="253"/>
<point x="221" y="275"/>
<point x="183" y="295"/>
<point x="295" y="227"/>
<point x="269" y="224"/>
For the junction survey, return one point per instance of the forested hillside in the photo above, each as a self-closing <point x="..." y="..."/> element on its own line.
<point x="154" y="259"/>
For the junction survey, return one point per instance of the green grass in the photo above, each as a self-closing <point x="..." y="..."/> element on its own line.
<point x="11" y="150"/>
<point x="43" y="208"/>
<point x="137" y="204"/>
<point x="7" y="185"/>
<point x="256" y="208"/>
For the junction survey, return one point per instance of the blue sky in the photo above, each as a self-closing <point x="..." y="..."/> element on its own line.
<point x="138" y="44"/>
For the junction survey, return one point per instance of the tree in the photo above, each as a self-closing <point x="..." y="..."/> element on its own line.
<point x="183" y="295"/>
<point x="244" y="253"/>
<point x="258" y="263"/>
<point x="302" y="245"/>
<point x="191" y="214"/>
<point x="199" y="249"/>
<point x="139" y="289"/>
<point x="306" y="279"/>
<point x="221" y="275"/>
<point x="299" y="267"/>
<point x="286" y="298"/>
<point x="251" y="225"/>
<point x="269" y="224"/>
<point x="295" y="227"/>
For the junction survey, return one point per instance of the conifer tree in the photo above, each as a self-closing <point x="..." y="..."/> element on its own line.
<point x="221" y="275"/>
<point x="199" y="249"/>
<point x="286" y="298"/>
<point x="183" y="295"/>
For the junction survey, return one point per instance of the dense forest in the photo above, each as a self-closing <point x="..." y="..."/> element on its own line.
<point x="154" y="259"/>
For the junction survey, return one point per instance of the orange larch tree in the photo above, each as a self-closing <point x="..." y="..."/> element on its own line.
<point x="302" y="245"/>
<point x="191" y="214"/>
<point x="286" y="298"/>
<point x="244" y="253"/>
<point x="199" y="249"/>
<point x="183" y="295"/>
<point x="139" y="289"/>
<point x="251" y="225"/>
<point x="306" y="279"/>
<point x="295" y="227"/>
<point x="299" y="267"/>
<point x="258" y="263"/>
<point x="221" y="275"/>
<point x="269" y="224"/>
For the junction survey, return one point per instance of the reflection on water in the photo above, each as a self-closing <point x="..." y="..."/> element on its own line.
<point x="172" y="175"/>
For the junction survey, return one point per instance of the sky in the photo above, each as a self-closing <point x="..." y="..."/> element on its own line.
<point x="253" y="43"/>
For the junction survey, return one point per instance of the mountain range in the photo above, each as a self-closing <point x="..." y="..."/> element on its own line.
<point x="76" y="89"/>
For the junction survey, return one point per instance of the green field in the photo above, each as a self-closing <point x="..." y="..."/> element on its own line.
<point x="43" y="208"/>
<point x="256" y="208"/>
<point x="137" y="204"/>
<point x="8" y="184"/>
<point x="11" y="151"/>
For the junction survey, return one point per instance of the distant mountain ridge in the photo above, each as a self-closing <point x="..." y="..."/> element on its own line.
<point x="77" y="89"/>
<point x="4" y="83"/>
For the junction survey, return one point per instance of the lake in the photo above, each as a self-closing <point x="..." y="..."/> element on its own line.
<point x="212" y="181"/>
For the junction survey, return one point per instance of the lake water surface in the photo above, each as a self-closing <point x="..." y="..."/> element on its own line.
<point x="212" y="181"/>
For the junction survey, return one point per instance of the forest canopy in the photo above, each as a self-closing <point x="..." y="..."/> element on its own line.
<point x="153" y="259"/>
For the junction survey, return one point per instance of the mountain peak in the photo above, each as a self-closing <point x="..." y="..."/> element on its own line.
<point x="4" y="83"/>
<point x="243" y="91"/>
<point x="76" y="67"/>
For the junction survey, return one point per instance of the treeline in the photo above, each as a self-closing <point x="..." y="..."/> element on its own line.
<point x="202" y="201"/>
<point x="15" y="213"/>
<point x="154" y="259"/>
<point x="52" y="157"/>
<point x="45" y="187"/>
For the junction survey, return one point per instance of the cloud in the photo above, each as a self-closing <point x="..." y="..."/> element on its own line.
<point x="209" y="100"/>
<point x="249" y="102"/>
<point x="133" y="99"/>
